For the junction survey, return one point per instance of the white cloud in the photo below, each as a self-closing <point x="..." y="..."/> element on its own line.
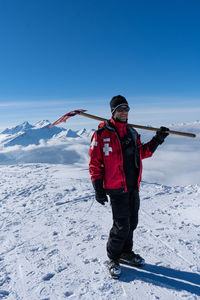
<point x="72" y="151"/>
<point x="167" y="110"/>
<point x="38" y="103"/>
<point x="175" y="162"/>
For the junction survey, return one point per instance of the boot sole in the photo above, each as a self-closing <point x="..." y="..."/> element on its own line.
<point x="115" y="276"/>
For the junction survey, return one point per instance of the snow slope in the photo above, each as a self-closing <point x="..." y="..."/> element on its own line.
<point x="53" y="238"/>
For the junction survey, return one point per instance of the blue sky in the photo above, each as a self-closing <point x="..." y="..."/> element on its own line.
<point x="60" y="55"/>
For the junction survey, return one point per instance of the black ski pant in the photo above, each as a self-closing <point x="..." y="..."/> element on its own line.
<point x="125" y="209"/>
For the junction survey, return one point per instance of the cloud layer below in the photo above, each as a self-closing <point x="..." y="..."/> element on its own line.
<point x="175" y="162"/>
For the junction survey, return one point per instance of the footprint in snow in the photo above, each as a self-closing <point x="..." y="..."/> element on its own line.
<point x="63" y="268"/>
<point x="53" y="252"/>
<point x="91" y="260"/>
<point x="48" y="276"/>
<point x="3" y="293"/>
<point x="86" y="261"/>
<point x="68" y="294"/>
<point x="88" y="238"/>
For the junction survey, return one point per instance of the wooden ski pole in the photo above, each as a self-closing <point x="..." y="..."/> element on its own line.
<point x="141" y="126"/>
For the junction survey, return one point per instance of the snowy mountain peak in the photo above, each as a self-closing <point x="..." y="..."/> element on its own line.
<point x="22" y="127"/>
<point x="81" y="132"/>
<point x="26" y="134"/>
<point x="85" y="132"/>
<point x="42" y="123"/>
<point x="26" y="124"/>
<point x="71" y="133"/>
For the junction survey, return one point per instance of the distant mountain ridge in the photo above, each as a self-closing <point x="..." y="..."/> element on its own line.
<point x="24" y="126"/>
<point x="27" y="143"/>
<point x="26" y="134"/>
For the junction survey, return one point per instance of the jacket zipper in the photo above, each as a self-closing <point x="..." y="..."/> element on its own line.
<point x="121" y="163"/>
<point x="124" y="130"/>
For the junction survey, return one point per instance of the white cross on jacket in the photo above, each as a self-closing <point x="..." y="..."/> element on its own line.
<point x="106" y="149"/>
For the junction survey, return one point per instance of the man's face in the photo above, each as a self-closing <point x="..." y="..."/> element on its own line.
<point x="121" y="115"/>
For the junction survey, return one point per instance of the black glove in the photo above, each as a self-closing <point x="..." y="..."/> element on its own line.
<point x="161" y="134"/>
<point x="100" y="194"/>
<point x="101" y="197"/>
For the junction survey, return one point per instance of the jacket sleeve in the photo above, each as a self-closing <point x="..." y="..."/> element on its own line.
<point x="96" y="165"/>
<point x="146" y="150"/>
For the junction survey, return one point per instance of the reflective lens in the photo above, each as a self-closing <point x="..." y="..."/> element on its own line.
<point x="120" y="109"/>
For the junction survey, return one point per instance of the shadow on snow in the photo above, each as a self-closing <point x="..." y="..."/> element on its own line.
<point x="163" y="276"/>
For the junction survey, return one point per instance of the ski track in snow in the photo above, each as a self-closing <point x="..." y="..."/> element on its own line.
<point x="53" y="238"/>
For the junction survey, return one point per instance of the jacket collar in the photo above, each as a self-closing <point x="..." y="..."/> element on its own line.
<point x="119" y="126"/>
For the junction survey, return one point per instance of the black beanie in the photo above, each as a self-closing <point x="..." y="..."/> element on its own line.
<point x="117" y="101"/>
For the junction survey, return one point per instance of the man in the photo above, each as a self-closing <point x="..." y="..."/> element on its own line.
<point x="115" y="166"/>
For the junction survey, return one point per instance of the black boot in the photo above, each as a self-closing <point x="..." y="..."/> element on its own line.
<point x="114" y="268"/>
<point x="132" y="258"/>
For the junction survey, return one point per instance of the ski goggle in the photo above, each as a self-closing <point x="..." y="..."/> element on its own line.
<point x="120" y="109"/>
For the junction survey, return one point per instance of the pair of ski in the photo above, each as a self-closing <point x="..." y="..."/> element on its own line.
<point x="115" y="269"/>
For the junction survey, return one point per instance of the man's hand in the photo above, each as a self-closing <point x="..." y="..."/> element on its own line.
<point x="101" y="197"/>
<point x="161" y="134"/>
<point x="100" y="194"/>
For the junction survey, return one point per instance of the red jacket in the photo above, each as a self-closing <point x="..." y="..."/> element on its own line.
<point x="106" y="159"/>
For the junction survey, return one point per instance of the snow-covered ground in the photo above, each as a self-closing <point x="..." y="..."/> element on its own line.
<point x="53" y="233"/>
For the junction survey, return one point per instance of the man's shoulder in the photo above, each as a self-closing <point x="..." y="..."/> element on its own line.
<point x="131" y="129"/>
<point x="100" y="130"/>
<point x="104" y="128"/>
<point x="135" y="135"/>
